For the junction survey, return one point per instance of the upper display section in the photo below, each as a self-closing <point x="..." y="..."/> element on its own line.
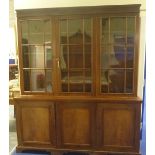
<point x="80" y="50"/>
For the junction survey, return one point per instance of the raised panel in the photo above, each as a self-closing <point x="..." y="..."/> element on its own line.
<point x="36" y="123"/>
<point x="118" y="126"/>
<point x="76" y="123"/>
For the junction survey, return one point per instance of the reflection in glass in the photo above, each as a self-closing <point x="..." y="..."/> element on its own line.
<point x="47" y="38"/>
<point x="36" y="29"/>
<point x="129" y="81"/>
<point x="119" y="57"/>
<point x="63" y="31"/>
<point x="75" y="26"/>
<point x="63" y="26"/>
<point x="47" y="26"/>
<point x="76" y="38"/>
<point x="38" y="80"/>
<point x="105" y="30"/>
<point x="63" y="57"/>
<point x="76" y="87"/>
<point x="129" y="60"/>
<point x="36" y="26"/>
<point x="76" y="77"/>
<point x="130" y="30"/>
<point x="63" y="38"/>
<point x="87" y="30"/>
<point x="36" y="38"/>
<point x="25" y="56"/>
<point x="24" y="29"/>
<point x="75" y="56"/>
<point x="117" y="81"/>
<point x="49" y="80"/>
<point x="37" y="56"/>
<point x="26" y="74"/>
<point x="118" y="26"/>
<point x="48" y="57"/>
<point x="87" y="52"/>
<point x="109" y="59"/>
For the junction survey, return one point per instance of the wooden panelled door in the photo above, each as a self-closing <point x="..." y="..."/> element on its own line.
<point x="75" y="124"/>
<point x="37" y="123"/>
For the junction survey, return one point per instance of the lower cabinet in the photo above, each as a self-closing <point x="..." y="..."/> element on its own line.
<point x="98" y="127"/>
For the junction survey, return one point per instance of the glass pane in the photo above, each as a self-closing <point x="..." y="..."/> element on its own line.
<point x="117" y="60"/>
<point x="63" y="31"/>
<point x="25" y="55"/>
<point x="119" y="39"/>
<point x="116" y="78"/>
<point x="64" y="57"/>
<point x="76" y="77"/>
<point x="88" y="87"/>
<point x="38" y="80"/>
<point x="48" y="57"/>
<point x="36" y="32"/>
<point x="129" y="60"/>
<point x="64" y="87"/>
<point x="76" y="38"/>
<point x="105" y="60"/>
<point x="88" y="77"/>
<point x="37" y="56"/>
<point x="117" y="27"/>
<point x="75" y="56"/>
<point x="64" y="76"/>
<point x="76" y="87"/>
<point x="105" y="30"/>
<point x="64" y="80"/>
<point x="36" y="26"/>
<point x="88" y="81"/>
<point x="48" y="38"/>
<point x="129" y="81"/>
<point x="47" y="30"/>
<point x="87" y="30"/>
<point x="47" y="26"/>
<point x="49" y="80"/>
<point x="36" y="38"/>
<point x="104" y="77"/>
<point x="75" y="27"/>
<point x="104" y="80"/>
<point x="87" y="52"/>
<point x="24" y="27"/>
<point x="63" y="26"/>
<point x="26" y="74"/>
<point x="76" y="80"/>
<point x="130" y="30"/>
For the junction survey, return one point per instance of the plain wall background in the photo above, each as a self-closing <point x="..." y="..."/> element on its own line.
<point x="29" y="4"/>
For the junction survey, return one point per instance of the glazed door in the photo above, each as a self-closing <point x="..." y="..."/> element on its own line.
<point x="118" y="52"/>
<point x="36" y="55"/>
<point x="76" y="55"/>
<point x="76" y="124"/>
